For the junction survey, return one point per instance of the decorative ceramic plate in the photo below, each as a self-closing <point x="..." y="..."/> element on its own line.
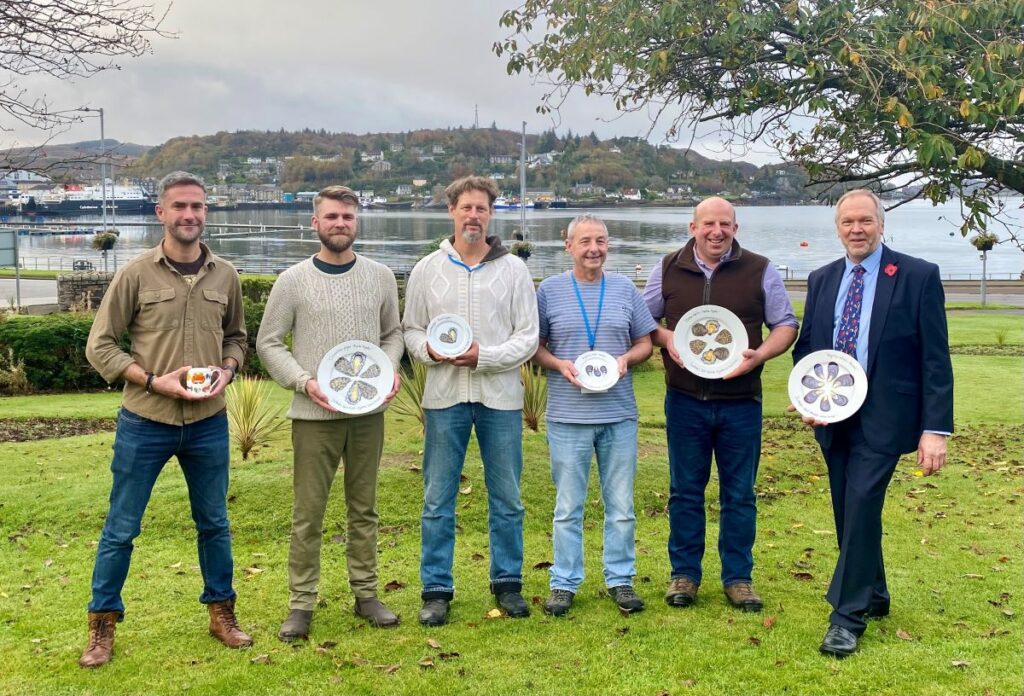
<point x="828" y="385"/>
<point x="449" y="335"/>
<point x="710" y="340"/>
<point x="355" y="376"/>
<point x="597" y="371"/>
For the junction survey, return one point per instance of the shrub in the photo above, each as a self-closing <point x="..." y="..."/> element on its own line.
<point x="256" y="288"/>
<point x="250" y="416"/>
<point x="12" y="375"/>
<point x="409" y="399"/>
<point x="535" y="395"/>
<point x="52" y="349"/>
<point x="253" y="366"/>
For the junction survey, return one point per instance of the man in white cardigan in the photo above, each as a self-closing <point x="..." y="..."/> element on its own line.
<point x="335" y="296"/>
<point x="473" y="276"/>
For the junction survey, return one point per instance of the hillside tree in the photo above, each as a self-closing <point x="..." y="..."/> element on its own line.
<point x="885" y="94"/>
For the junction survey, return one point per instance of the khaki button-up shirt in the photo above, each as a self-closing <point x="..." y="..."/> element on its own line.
<point x="171" y="324"/>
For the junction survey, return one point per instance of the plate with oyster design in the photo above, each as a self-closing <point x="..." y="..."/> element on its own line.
<point x="828" y="385"/>
<point x="355" y="376"/>
<point x="710" y="340"/>
<point x="597" y="371"/>
<point x="449" y="335"/>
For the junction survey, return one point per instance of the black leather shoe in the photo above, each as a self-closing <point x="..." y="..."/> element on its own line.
<point x="434" y="612"/>
<point x="513" y="604"/>
<point x="838" y="642"/>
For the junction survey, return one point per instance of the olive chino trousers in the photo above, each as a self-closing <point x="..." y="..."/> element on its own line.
<point x="319" y="447"/>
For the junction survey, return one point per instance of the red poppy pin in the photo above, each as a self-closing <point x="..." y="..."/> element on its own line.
<point x="891" y="269"/>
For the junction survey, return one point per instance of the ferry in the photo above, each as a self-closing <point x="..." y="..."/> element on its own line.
<point x="73" y="199"/>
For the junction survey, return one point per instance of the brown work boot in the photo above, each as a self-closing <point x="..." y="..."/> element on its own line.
<point x="681" y="592"/>
<point x="374" y="611"/>
<point x="101" y="638"/>
<point x="224" y="625"/>
<point x="742" y="596"/>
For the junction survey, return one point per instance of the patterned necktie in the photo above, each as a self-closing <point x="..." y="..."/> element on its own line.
<point x="849" y="323"/>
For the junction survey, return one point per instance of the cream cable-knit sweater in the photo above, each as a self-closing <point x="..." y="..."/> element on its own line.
<point x="321" y="310"/>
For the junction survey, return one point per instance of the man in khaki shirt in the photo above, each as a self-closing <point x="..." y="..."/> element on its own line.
<point x="182" y="307"/>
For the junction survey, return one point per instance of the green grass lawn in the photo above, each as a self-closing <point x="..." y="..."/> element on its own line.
<point x="953" y="553"/>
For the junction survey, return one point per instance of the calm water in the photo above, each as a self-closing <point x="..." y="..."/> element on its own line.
<point x="639" y="236"/>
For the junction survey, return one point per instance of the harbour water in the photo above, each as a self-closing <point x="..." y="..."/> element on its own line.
<point x="798" y="238"/>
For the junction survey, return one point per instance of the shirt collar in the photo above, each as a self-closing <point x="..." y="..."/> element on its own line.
<point x="870" y="264"/>
<point x="160" y="256"/>
<point x="706" y="268"/>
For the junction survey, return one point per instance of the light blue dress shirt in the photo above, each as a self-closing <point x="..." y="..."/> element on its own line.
<point x="871" y="266"/>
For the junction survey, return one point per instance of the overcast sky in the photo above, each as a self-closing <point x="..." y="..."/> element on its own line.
<point x="343" y="65"/>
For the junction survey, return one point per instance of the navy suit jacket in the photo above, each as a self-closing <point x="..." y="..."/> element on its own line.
<point x="910" y="377"/>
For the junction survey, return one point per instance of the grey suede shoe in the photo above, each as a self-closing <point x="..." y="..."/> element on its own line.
<point x="296" y="626"/>
<point x="374" y="611"/>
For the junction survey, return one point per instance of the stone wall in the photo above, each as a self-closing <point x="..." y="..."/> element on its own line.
<point x="82" y="291"/>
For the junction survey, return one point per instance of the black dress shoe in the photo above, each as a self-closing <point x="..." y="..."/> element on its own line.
<point x="434" y="612"/>
<point x="513" y="604"/>
<point x="838" y="642"/>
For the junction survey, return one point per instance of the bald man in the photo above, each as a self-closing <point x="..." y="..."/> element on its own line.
<point x="716" y="416"/>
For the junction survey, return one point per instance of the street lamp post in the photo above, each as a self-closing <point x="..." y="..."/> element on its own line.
<point x="103" y="154"/>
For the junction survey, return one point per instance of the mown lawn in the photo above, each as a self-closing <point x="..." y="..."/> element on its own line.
<point x="953" y="553"/>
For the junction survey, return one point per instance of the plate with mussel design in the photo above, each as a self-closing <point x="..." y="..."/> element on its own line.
<point x="449" y="335"/>
<point x="356" y="376"/>
<point x="710" y="340"/>
<point x="597" y="371"/>
<point x="828" y="386"/>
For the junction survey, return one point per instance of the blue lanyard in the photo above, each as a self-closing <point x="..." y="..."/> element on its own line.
<point x="468" y="268"/>
<point x="591" y="334"/>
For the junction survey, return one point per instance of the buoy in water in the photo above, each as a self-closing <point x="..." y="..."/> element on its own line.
<point x="804" y="244"/>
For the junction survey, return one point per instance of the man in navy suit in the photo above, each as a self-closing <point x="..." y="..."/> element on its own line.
<point x="888" y="311"/>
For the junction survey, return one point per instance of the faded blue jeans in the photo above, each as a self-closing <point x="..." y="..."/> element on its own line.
<point x="572" y="445"/>
<point x="141" y="448"/>
<point x="499" y="434"/>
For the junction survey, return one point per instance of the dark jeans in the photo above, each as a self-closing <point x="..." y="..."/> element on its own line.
<point x="731" y="430"/>
<point x="141" y="448"/>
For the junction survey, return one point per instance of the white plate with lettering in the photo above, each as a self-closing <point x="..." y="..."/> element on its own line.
<point x="597" y="371"/>
<point x="449" y="335"/>
<point x="355" y="376"/>
<point x="828" y="385"/>
<point x="710" y="340"/>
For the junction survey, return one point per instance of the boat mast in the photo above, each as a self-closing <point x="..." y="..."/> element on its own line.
<point x="522" y="183"/>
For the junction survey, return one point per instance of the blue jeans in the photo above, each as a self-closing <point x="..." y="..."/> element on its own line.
<point x="499" y="434"/>
<point x="572" y="445"/>
<point x="731" y="430"/>
<point x="141" y="448"/>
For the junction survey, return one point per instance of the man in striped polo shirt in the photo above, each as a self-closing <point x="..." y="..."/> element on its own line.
<point x="588" y="309"/>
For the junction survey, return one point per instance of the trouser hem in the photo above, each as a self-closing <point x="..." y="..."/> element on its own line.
<point x="427" y="595"/>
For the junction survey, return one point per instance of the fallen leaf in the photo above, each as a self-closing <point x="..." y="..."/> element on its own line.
<point x="253" y="571"/>
<point x="328" y="644"/>
<point x="433" y="643"/>
<point x="768" y="622"/>
<point x="780" y="663"/>
<point x="754" y="640"/>
<point x="973" y="576"/>
<point x="477" y="557"/>
<point x="426" y="663"/>
<point x="48" y="562"/>
<point x="542" y="565"/>
<point x="463" y="478"/>
<point x="537" y="600"/>
<point x="448" y="655"/>
<point x="622" y="631"/>
<point x="359" y="661"/>
<point x="1004" y="559"/>
<point x="415" y="469"/>
<point x="803" y="576"/>
<point x="261" y="660"/>
<point x="961" y="664"/>
<point x="466" y="491"/>
<point x="798" y="525"/>
<point x="388" y="669"/>
<point x="690" y="683"/>
<point x="494" y="614"/>
<point x="338" y="538"/>
<point x="335" y="678"/>
<point x="903" y="635"/>
<point x="36" y="640"/>
<point x="1008" y="613"/>
<point x="175" y="565"/>
<point x="394" y="585"/>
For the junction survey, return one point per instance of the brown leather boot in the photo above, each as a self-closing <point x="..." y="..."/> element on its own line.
<point x="101" y="638"/>
<point x="224" y="625"/>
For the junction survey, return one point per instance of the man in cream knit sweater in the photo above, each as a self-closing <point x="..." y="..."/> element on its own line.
<point x="335" y="296"/>
<point x="473" y="276"/>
